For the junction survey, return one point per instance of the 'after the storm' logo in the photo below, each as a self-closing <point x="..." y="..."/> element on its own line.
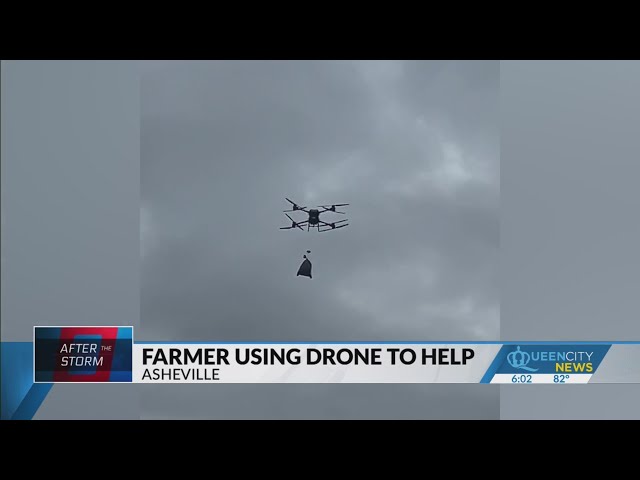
<point x="83" y="354"/>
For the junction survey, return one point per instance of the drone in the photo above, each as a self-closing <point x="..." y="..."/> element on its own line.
<point x="313" y="220"/>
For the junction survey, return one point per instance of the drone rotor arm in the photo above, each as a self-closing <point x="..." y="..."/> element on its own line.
<point x="296" y="207"/>
<point x="329" y="229"/>
<point x="294" y="224"/>
<point x="332" y="226"/>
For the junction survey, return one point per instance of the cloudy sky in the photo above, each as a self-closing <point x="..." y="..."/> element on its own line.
<point x="414" y="147"/>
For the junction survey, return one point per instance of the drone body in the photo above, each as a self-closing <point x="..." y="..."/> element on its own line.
<point x="313" y="217"/>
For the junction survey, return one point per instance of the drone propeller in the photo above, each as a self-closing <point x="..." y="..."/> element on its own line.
<point x="293" y="223"/>
<point x="332" y="208"/>
<point x="295" y="206"/>
<point x="289" y="228"/>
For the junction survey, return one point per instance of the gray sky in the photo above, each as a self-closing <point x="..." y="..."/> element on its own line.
<point x="412" y="146"/>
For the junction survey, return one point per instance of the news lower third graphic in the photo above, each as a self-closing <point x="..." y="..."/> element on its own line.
<point x="83" y="354"/>
<point x="110" y="354"/>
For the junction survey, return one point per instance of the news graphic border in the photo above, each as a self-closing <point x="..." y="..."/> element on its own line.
<point x="23" y="396"/>
<point x="82" y="326"/>
<point x="497" y="365"/>
<point x="490" y="376"/>
<point x="391" y="342"/>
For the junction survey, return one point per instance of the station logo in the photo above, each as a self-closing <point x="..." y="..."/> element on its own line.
<point x="556" y="359"/>
<point x="520" y="360"/>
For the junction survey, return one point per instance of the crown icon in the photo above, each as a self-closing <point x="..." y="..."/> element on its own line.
<point x="518" y="359"/>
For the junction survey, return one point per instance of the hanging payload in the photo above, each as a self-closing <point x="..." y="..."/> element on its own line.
<point x="305" y="268"/>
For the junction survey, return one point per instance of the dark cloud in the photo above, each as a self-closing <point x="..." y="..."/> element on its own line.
<point x="413" y="146"/>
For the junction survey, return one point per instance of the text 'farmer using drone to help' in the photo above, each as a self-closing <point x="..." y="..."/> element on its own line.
<point x="313" y="220"/>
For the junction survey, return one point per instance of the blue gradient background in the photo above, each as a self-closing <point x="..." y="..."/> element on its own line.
<point x="21" y="398"/>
